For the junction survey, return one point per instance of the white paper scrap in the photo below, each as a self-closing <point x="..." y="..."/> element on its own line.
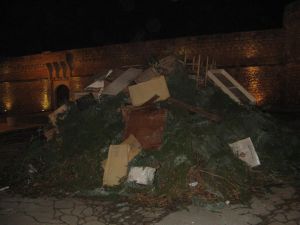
<point x="141" y="175"/>
<point x="244" y="149"/>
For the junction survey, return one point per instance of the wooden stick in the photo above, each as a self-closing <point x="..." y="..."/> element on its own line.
<point x="195" y="109"/>
<point x="198" y="71"/>
<point x="193" y="63"/>
<point x="206" y="69"/>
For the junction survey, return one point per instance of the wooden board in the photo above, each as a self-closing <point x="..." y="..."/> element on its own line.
<point x="134" y="150"/>
<point x="122" y="81"/>
<point x="230" y="86"/>
<point x="142" y="92"/>
<point x="116" y="165"/>
<point x="135" y="146"/>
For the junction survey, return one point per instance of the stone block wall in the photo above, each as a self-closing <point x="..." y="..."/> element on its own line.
<point x="266" y="63"/>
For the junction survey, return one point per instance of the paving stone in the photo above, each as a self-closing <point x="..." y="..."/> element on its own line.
<point x="64" y="204"/>
<point x="270" y="206"/>
<point x="15" y="198"/>
<point x="7" y="211"/>
<point x="122" y="204"/>
<point x="278" y="211"/>
<point x="280" y="218"/>
<point x="94" y="223"/>
<point x="291" y="223"/>
<point x="242" y="211"/>
<point x="259" y="207"/>
<point x="139" y="209"/>
<point x="92" y="212"/>
<point x="17" y="219"/>
<point x="285" y="207"/>
<point x="57" y="214"/>
<point x="150" y="214"/>
<point x="77" y="211"/>
<point x="101" y="220"/>
<point x="147" y="219"/>
<point x="81" y="222"/>
<point x="43" y="217"/>
<point x="295" y="206"/>
<point x="88" y="211"/>
<point x="32" y="207"/>
<point x="292" y="215"/>
<point x="91" y="218"/>
<point x="285" y="193"/>
<point x="237" y="206"/>
<point x="42" y="214"/>
<point x="49" y="201"/>
<point x="105" y="203"/>
<point x="201" y="216"/>
<point x="277" y="200"/>
<point x="116" y="215"/>
<point x="276" y="223"/>
<point x="8" y="205"/>
<point x="98" y="208"/>
<point x="124" y="209"/>
<point x="78" y="202"/>
<point x="66" y="211"/>
<point x="68" y="219"/>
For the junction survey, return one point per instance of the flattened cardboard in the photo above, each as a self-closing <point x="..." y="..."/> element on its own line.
<point x="116" y="165"/>
<point x="135" y="149"/>
<point x="244" y="149"/>
<point x="142" y="92"/>
<point x="135" y="146"/>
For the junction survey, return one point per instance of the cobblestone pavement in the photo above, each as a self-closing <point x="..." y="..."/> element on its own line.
<point x="281" y="206"/>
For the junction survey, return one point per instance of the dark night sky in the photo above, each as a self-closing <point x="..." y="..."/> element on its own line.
<point x="33" y="27"/>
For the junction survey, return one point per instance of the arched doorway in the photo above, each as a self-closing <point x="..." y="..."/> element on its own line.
<point x="62" y="94"/>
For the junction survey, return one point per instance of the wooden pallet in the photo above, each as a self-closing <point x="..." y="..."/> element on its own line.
<point x="230" y="86"/>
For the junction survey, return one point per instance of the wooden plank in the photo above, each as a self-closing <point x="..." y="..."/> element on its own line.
<point x="194" y="63"/>
<point x="134" y="150"/>
<point x="116" y="164"/>
<point x="122" y="81"/>
<point x="198" y="72"/>
<point x="222" y="86"/>
<point x="234" y="83"/>
<point x="240" y="87"/>
<point x="135" y="146"/>
<point x="143" y="92"/>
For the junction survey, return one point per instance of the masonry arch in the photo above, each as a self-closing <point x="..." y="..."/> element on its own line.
<point x="62" y="95"/>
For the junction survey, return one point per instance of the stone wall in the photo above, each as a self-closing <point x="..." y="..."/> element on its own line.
<point x="265" y="62"/>
<point x="292" y="53"/>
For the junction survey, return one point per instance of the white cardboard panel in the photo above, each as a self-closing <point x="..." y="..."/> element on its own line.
<point x="244" y="149"/>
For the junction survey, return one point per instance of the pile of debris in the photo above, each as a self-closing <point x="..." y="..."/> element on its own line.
<point x="150" y="132"/>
